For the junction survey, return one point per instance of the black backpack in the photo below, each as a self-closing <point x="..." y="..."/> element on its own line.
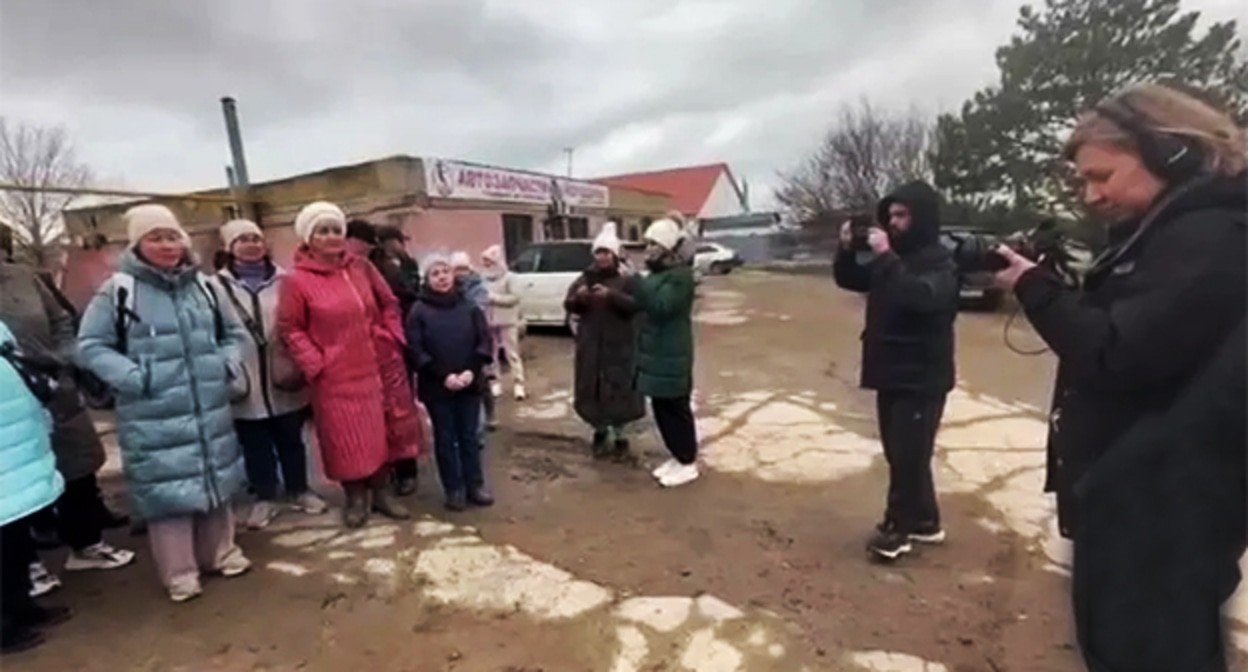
<point x="40" y="375"/>
<point x="95" y="392"/>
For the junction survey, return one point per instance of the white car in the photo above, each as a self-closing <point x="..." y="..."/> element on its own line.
<point x="715" y="259"/>
<point x="544" y="272"/>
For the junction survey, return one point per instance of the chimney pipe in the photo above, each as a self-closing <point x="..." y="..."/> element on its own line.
<point x="230" y="109"/>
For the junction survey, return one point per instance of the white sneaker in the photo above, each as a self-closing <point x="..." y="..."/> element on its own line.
<point x="185" y="589"/>
<point x="665" y="468"/>
<point x="680" y="475"/>
<point x="310" y="504"/>
<point x="262" y="513"/>
<point x="98" y="556"/>
<point x="235" y="564"/>
<point x="496" y="388"/>
<point x="42" y="581"/>
<point x="520" y="394"/>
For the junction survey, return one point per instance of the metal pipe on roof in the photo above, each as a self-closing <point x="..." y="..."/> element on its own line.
<point x="230" y="108"/>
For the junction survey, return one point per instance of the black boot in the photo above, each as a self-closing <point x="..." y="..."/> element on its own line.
<point x="456" y="501"/>
<point x="621" y="454"/>
<point x="355" y="513"/>
<point x="38" y="616"/>
<point x="16" y="638"/>
<point x="383" y="502"/>
<point x="479" y="496"/>
<point x="406" y="477"/>
<point x="599" y="447"/>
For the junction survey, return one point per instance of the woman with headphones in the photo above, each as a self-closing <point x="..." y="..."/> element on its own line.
<point x="1157" y="518"/>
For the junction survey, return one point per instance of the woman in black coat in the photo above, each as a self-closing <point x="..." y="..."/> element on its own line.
<point x="1169" y="172"/>
<point x="603" y="300"/>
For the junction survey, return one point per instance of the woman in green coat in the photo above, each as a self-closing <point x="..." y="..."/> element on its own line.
<point x="665" y="349"/>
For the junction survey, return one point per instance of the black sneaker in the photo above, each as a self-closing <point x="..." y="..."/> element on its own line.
<point x="928" y="534"/>
<point x="889" y="545"/>
<point x="18" y="638"/>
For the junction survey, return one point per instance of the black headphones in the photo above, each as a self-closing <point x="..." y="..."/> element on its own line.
<point x="1167" y="155"/>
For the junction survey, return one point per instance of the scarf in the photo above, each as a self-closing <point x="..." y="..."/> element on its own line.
<point x="252" y="274"/>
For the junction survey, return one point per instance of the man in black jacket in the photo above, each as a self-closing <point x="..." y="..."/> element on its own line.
<point x="907" y="353"/>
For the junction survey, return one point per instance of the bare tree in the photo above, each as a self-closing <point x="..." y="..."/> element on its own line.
<point x="866" y="153"/>
<point x="37" y="158"/>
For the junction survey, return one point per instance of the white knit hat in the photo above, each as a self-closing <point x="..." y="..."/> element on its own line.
<point x="237" y="228"/>
<point x="666" y="233"/>
<point x="144" y="219"/>
<point x="608" y="239"/>
<point x="317" y="213"/>
<point x="431" y="260"/>
<point x="460" y="259"/>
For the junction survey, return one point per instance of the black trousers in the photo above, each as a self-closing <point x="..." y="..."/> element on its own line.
<point x="674" y="416"/>
<point x="16" y="549"/>
<point x="79" y="513"/>
<point x="270" y="443"/>
<point x="908" y="423"/>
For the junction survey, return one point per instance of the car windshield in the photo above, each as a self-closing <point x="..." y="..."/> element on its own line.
<point x="526" y="262"/>
<point x="565" y="258"/>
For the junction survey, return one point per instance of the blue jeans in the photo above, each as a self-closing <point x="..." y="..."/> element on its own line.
<point x="456" y="427"/>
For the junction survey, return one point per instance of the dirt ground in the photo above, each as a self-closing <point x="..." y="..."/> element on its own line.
<point x="585" y="566"/>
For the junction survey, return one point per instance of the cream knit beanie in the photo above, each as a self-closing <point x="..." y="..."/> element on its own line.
<point x="144" y="219"/>
<point x="237" y="228"/>
<point x="317" y="213"/>
<point x="608" y="239"/>
<point x="666" y="233"/>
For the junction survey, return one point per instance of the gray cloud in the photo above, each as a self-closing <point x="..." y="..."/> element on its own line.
<point x="632" y="84"/>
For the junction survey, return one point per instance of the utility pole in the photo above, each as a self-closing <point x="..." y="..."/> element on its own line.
<point x="569" y="151"/>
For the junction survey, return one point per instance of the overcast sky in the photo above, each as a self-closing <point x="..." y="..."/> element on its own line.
<point x="631" y="84"/>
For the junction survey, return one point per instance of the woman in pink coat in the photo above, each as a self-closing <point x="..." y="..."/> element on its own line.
<point x="341" y="324"/>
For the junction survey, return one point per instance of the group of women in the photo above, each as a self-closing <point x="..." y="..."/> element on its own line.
<point x="213" y="378"/>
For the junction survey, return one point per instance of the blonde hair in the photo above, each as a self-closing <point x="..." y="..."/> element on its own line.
<point x="1167" y="111"/>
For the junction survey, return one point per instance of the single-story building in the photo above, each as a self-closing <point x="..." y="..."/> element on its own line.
<point x="442" y="205"/>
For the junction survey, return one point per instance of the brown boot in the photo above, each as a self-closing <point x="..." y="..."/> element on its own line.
<point x="355" y="513"/>
<point x="383" y="501"/>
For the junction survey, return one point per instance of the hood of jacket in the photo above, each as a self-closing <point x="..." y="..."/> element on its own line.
<point x="924" y="205"/>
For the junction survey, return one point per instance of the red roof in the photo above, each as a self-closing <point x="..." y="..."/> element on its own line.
<point x="688" y="187"/>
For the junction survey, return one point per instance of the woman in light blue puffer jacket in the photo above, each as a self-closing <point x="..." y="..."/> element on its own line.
<point x="172" y="366"/>
<point x="29" y="482"/>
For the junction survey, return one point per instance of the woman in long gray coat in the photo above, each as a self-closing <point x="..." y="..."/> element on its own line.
<point x="44" y="329"/>
<point x="158" y="334"/>
<point x="603" y="299"/>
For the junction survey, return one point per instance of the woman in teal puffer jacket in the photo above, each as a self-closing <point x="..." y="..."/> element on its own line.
<point x="172" y="365"/>
<point x="29" y="482"/>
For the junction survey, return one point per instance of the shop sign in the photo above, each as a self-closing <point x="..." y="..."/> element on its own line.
<point x="471" y="182"/>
